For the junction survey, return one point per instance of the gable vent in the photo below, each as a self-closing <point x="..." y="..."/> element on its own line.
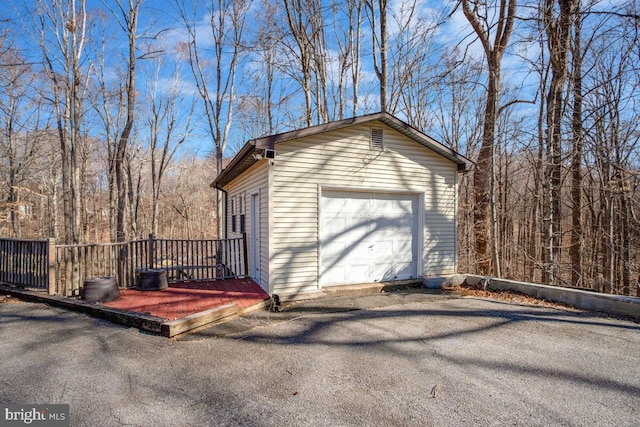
<point x="376" y="139"/>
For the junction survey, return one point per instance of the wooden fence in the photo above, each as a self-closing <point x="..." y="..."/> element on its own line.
<point x="75" y="263"/>
<point x="27" y="263"/>
<point x="70" y="265"/>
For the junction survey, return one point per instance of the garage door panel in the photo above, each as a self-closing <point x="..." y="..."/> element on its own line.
<point x="384" y="223"/>
<point x="335" y="274"/>
<point x="334" y="204"/>
<point x="381" y="248"/>
<point x="353" y="204"/>
<point x="346" y="253"/>
<point x="386" y="271"/>
<point x="358" y="269"/>
<point x="341" y="274"/>
<point x="367" y="237"/>
<point x="404" y="248"/>
<point x="394" y="271"/>
<point x="356" y="253"/>
<point x="344" y="231"/>
<point x="332" y="252"/>
<point x="354" y="233"/>
<point x="360" y="249"/>
<point x="335" y="220"/>
<point x="404" y="205"/>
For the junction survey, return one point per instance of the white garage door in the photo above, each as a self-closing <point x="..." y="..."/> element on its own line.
<point x="367" y="237"/>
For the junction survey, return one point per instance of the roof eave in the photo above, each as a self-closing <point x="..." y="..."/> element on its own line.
<point x="240" y="162"/>
<point x="463" y="163"/>
<point x="245" y="159"/>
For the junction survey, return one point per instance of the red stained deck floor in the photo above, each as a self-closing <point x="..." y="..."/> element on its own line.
<point x="183" y="299"/>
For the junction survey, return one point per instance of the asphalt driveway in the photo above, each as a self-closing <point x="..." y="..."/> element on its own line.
<point x="402" y="358"/>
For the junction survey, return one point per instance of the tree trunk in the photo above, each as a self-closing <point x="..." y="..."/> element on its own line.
<point x="383" y="75"/>
<point x="354" y="48"/>
<point x="625" y="249"/>
<point x="482" y="182"/>
<point x="484" y="214"/>
<point x="481" y="209"/>
<point x="380" y="65"/>
<point x="131" y="19"/>
<point x="559" y="39"/>
<point x="576" y="248"/>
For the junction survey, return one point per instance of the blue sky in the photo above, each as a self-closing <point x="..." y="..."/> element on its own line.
<point x="161" y="30"/>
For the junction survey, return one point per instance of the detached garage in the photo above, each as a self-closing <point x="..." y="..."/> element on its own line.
<point x="367" y="199"/>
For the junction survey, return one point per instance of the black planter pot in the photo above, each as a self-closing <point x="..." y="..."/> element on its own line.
<point x="100" y="289"/>
<point x="151" y="280"/>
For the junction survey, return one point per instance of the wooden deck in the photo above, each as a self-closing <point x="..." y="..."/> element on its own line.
<point x="184" y="299"/>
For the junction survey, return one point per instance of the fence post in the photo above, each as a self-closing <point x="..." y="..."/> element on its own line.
<point x="244" y="254"/>
<point x="150" y="251"/>
<point x="51" y="263"/>
<point x="121" y="267"/>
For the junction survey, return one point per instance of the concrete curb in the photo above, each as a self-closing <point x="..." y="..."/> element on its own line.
<point x="352" y="290"/>
<point x="611" y="304"/>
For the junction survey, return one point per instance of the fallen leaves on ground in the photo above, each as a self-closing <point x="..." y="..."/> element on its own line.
<point x="6" y="299"/>
<point x="511" y="297"/>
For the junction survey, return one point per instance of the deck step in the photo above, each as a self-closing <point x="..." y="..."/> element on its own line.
<point x="196" y="320"/>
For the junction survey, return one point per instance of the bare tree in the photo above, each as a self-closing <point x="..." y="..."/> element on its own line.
<point x="611" y="142"/>
<point x="65" y="21"/>
<point x="558" y="29"/>
<point x="458" y="108"/>
<point x="135" y="172"/>
<point x="378" y="20"/>
<point x="457" y="123"/>
<point x="48" y="185"/>
<point x="127" y="18"/>
<point x="576" y="248"/>
<point x="355" y="31"/>
<point x="167" y="129"/>
<point x="215" y="77"/>
<point x="415" y="62"/>
<point x="348" y="43"/>
<point x="477" y="13"/>
<point x="301" y="16"/>
<point x="20" y="131"/>
<point x="265" y="47"/>
<point x="320" y="60"/>
<point x="188" y="209"/>
<point x="108" y="101"/>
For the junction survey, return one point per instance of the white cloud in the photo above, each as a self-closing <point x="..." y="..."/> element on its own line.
<point x="458" y="32"/>
<point x="418" y="14"/>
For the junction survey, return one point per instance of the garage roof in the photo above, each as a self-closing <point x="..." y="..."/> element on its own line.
<point x="244" y="159"/>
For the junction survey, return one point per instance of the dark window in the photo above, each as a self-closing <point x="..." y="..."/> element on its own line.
<point x="233" y="216"/>
<point x="237" y="210"/>
<point x="241" y="212"/>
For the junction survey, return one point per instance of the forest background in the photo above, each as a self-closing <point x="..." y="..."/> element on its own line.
<point x="116" y="115"/>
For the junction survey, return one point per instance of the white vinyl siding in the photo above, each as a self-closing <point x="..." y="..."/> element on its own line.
<point x="251" y="181"/>
<point x="343" y="159"/>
